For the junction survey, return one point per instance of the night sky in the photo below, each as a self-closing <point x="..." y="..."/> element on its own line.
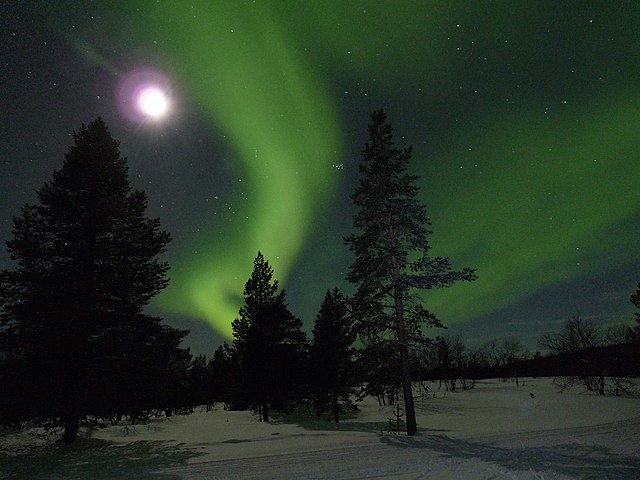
<point x="524" y="118"/>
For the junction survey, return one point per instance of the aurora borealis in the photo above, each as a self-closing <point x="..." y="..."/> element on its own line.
<point x="524" y="117"/>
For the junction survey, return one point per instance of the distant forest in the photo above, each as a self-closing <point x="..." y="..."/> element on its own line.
<point x="77" y="347"/>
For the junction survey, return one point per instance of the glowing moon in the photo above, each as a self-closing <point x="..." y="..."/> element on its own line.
<point x="152" y="102"/>
<point x="145" y="96"/>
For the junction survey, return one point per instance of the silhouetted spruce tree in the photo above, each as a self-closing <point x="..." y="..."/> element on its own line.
<point x="221" y="371"/>
<point x="200" y="381"/>
<point x="391" y="250"/>
<point x="71" y="315"/>
<point x="331" y="355"/>
<point x="269" y="344"/>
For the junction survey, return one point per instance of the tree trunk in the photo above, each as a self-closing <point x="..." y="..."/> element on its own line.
<point x="335" y="407"/>
<point x="407" y="391"/>
<point x="71" y="396"/>
<point x="71" y="425"/>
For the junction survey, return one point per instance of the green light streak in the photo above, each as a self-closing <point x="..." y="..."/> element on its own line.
<point x="540" y="207"/>
<point x="252" y="83"/>
<point x="91" y="54"/>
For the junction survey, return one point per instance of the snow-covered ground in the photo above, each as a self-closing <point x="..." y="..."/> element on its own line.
<point x="496" y="431"/>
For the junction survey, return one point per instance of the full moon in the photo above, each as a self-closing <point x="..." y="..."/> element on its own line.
<point x="152" y="102"/>
<point x="145" y="96"/>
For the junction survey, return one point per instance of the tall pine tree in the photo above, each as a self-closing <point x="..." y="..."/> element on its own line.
<point x="269" y="344"/>
<point x="88" y="262"/>
<point x="391" y="250"/>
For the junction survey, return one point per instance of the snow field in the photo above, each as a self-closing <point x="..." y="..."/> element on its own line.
<point x="495" y="431"/>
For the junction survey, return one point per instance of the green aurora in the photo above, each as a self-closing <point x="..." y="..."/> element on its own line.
<point x="281" y="123"/>
<point x="523" y="117"/>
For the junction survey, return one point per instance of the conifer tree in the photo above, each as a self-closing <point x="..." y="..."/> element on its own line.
<point x="331" y="355"/>
<point x="88" y="261"/>
<point x="269" y="344"/>
<point x="221" y="371"/>
<point x="391" y="248"/>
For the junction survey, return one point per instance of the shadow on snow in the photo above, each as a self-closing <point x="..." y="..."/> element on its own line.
<point x="589" y="462"/>
<point x="102" y="461"/>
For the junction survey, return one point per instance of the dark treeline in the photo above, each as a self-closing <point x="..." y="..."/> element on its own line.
<point x="621" y="360"/>
<point x="610" y="360"/>
<point x="77" y="348"/>
<point x="580" y="353"/>
<point x="334" y="371"/>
